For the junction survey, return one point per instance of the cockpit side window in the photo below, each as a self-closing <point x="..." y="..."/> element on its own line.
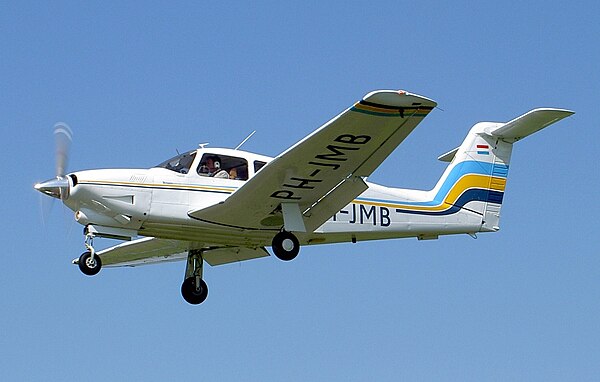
<point x="180" y="163"/>
<point x="258" y="165"/>
<point x="223" y="166"/>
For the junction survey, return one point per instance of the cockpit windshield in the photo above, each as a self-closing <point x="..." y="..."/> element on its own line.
<point x="180" y="163"/>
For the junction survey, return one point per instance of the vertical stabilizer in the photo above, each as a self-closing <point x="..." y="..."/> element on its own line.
<point x="475" y="180"/>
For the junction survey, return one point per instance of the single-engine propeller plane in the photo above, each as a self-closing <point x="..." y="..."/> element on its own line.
<point x="225" y="205"/>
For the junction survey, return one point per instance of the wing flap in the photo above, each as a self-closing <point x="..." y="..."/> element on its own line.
<point x="352" y="144"/>
<point x="337" y="199"/>
<point x="228" y="255"/>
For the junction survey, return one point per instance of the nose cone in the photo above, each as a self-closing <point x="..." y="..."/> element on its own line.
<point x="57" y="187"/>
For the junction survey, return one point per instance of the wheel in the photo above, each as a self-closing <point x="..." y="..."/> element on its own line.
<point x="285" y="246"/>
<point x="89" y="265"/>
<point x="191" y="294"/>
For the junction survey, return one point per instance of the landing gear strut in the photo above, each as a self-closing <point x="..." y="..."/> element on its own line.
<point x="194" y="290"/>
<point x="285" y="246"/>
<point x="89" y="263"/>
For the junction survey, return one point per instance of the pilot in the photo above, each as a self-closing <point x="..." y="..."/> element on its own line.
<point x="213" y="163"/>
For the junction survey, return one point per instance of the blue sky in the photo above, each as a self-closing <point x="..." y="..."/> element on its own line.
<point x="137" y="82"/>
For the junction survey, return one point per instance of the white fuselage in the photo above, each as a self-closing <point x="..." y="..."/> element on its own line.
<point x="155" y="202"/>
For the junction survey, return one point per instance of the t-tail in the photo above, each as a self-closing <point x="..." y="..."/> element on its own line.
<point x="475" y="180"/>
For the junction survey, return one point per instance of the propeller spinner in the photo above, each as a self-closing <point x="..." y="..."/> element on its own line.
<point x="59" y="187"/>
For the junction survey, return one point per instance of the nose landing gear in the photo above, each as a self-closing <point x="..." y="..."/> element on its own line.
<point x="89" y="263"/>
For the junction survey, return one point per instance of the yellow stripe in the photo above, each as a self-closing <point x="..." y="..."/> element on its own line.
<point x="498" y="184"/>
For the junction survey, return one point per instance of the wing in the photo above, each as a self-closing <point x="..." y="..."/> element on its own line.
<point x="305" y="185"/>
<point x="150" y="250"/>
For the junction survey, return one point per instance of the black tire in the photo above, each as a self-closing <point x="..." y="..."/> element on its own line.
<point x="285" y="246"/>
<point x="189" y="292"/>
<point x="87" y="266"/>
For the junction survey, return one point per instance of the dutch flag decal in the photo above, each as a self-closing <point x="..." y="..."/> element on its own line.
<point x="483" y="149"/>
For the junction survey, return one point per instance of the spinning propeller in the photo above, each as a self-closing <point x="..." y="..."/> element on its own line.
<point x="59" y="187"/>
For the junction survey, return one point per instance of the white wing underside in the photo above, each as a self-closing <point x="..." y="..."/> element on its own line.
<point x="150" y="250"/>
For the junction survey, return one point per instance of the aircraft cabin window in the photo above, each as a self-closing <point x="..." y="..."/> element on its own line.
<point x="223" y="166"/>
<point x="258" y="165"/>
<point x="180" y="163"/>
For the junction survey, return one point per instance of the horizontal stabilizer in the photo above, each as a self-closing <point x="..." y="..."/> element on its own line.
<point x="447" y="157"/>
<point x="529" y="123"/>
<point x="517" y="129"/>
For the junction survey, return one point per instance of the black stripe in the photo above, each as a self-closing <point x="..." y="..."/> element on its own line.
<point x="390" y="107"/>
<point x="367" y="103"/>
<point x="387" y="107"/>
<point x="400" y="109"/>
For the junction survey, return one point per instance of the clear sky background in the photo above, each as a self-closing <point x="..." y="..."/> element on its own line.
<point x="138" y="81"/>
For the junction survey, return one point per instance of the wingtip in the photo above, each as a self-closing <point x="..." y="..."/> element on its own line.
<point x="399" y="98"/>
<point x="566" y="112"/>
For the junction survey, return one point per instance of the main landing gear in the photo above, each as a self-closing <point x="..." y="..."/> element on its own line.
<point x="89" y="263"/>
<point x="194" y="290"/>
<point x="285" y="246"/>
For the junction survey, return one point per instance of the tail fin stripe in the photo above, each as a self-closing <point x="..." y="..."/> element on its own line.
<point x="467" y="173"/>
<point x="461" y="169"/>
<point x="498" y="184"/>
<point x="471" y="195"/>
<point x="459" y="188"/>
<point x="495" y="197"/>
<point x="500" y="171"/>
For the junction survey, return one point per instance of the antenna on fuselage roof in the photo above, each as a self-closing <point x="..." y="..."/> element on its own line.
<point x="203" y="145"/>
<point x="244" y="141"/>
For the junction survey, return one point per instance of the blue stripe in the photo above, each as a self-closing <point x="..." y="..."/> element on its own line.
<point x="500" y="171"/>
<point x="495" y="197"/>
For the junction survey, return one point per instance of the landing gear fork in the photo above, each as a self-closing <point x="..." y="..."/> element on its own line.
<point x="194" y="290"/>
<point x="89" y="262"/>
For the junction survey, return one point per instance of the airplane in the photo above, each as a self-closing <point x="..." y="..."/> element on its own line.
<point x="221" y="206"/>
